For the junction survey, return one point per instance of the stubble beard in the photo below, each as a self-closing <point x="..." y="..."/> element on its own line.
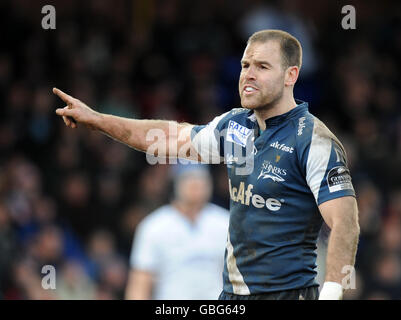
<point x="269" y="102"/>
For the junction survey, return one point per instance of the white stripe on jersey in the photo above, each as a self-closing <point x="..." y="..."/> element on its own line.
<point x="318" y="157"/>
<point x="205" y="142"/>
<point x="234" y="275"/>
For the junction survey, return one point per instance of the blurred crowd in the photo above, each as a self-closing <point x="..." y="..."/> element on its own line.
<point x="73" y="198"/>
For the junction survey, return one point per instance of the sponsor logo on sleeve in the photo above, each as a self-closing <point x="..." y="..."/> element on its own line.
<point x="238" y="134"/>
<point x="339" y="178"/>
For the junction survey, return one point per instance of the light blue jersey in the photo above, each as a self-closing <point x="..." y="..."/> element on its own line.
<point x="276" y="179"/>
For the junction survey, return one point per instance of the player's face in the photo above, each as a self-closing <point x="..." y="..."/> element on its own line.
<point x="261" y="81"/>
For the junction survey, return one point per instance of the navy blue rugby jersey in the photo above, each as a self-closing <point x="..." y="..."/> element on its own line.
<point x="277" y="179"/>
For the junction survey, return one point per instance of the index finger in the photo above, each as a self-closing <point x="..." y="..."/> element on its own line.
<point x="63" y="96"/>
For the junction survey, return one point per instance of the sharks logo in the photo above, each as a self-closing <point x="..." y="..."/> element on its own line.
<point x="272" y="172"/>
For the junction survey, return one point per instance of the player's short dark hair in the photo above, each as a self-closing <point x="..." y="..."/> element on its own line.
<point x="291" y="48"/>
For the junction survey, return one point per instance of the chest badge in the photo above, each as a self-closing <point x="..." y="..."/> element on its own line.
<point x="272" y="172"/>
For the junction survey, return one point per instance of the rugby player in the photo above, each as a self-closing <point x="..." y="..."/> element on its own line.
<point x="287" y="174"/>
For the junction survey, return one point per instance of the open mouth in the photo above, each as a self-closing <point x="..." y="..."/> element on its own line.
<point x="248" y="90"/>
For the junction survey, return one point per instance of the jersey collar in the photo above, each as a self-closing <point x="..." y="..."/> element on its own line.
<point x="274" y="121"/>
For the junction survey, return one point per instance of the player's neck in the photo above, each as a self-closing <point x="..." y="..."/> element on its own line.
<point x="276" y="108"/>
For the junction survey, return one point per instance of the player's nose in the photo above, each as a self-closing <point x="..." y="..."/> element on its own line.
<point x="250" y="73"/>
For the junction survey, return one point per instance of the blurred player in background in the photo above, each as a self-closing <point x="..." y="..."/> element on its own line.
<point x="287" y="173"/>
<point x="178" y="250"/>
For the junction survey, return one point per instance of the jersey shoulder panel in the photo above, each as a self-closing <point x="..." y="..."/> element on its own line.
<point x="324" y="161"/>
<point x="208" y="140"/>
<point x="221" y="121"/>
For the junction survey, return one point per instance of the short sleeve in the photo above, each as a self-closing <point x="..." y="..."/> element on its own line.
<point x="206" y="140"/>
<point x="327" y="172"/>
<point x="144" y="253"/>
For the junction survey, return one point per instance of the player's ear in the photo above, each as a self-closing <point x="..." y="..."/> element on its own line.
<point x="291" y="75"/>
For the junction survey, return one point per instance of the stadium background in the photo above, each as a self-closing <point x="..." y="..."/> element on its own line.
<point x="72" y="199"/>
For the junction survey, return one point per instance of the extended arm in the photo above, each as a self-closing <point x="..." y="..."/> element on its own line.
<point x="160" y="137"/>
<point x="341" y="215"/>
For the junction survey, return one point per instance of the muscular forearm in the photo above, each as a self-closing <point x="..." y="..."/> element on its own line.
<point x="137" y="133"/>
<point x="341" y="251"/>
<point x="341" y="215"/>
<point x="161" y="138"/>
